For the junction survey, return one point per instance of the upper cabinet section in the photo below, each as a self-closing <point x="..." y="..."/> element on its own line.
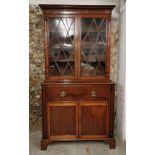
<point x="77" y="42"/>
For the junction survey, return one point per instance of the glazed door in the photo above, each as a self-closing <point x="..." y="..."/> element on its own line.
<point x="93" y="118"/>
<point x="93" y="47"/>
<point x="62" y="119"/>
<point x="61" y="53"/>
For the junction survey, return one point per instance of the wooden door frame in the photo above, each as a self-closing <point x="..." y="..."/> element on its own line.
<point x="107" y="48"/>
<point x="97" y="103"/>
<point x="46" y="48"/>
<point x="50" y="104"/>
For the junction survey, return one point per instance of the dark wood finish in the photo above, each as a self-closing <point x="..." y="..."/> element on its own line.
<point x="94" y="119"/>
<point x="76" y="107"/>
<point x="62" y="119"/>
<point x="74" y="7"/>
<point x="108" y="48"/>
<point x="111" y="142"/>
<point x="78" y="92"/>
<point x="46" y="46"/>
<point x="105" y="10"/>
<point x="112" y="111"/>
<point x="44" y="113"/>
<point x="44" y="144"/>
<point x="76" y="12"/>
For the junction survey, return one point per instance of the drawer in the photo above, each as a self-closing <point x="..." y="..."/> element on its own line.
<point x="78" y="92"/>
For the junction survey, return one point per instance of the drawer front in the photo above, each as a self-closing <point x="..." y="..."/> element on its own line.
<point x="78" y="92"/>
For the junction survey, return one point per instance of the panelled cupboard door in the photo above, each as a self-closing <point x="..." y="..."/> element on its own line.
<point x="93" y="120"/>
<point x="62" y="119"/>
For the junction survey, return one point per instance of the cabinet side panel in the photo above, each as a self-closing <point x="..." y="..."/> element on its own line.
<point x="112" y="112"/>
<point x="46" y="45"/>
<point x="108" y="31"/>
<point x="44" y="113"/>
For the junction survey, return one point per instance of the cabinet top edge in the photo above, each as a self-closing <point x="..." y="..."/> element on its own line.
<point x="49" y="6"/>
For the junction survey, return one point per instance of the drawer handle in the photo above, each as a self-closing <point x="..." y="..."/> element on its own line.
<point x="93" y="93"/>
<point x="62" y="93"/>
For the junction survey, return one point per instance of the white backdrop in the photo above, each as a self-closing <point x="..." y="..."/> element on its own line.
<point x="84" y="2"/>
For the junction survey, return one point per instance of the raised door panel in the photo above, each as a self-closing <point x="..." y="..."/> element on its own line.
<point x="93" y="120"/>
<point x="62" y="120"/>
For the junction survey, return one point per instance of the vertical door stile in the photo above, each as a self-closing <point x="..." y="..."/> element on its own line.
<point x="79" y="117"/>
<point x="76" y="46"/>
<point x="107" y="120"/>
<point x="78" y="33"/>
<point x="77" y="120"/>
<point x="48" y="119"/>
<point x="108" y="31"/>
<point x="46" y="48"/>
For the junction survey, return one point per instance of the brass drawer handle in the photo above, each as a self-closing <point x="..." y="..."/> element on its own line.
<point x="62" y="93"/>
<point x="93" y="93"/>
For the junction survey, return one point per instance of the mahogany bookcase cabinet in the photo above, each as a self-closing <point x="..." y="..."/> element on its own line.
<point x="77" y="94"/>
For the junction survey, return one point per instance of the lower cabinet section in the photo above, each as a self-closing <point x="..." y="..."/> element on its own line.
<point x="67" y="120"/>
<point x="77" y="120"/>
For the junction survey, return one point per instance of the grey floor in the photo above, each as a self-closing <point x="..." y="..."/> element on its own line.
<point x="73" y="148"/>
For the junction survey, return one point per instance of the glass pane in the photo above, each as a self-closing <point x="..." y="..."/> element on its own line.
<point x="61" y="46"/>
<point x="93" y="45"/>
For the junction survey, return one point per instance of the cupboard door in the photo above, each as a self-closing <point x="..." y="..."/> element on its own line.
<point x="62" y="120"/>
<point x="93" y="119"/>
<point x="61" y="47"/>
<point x="93" y="47"/>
